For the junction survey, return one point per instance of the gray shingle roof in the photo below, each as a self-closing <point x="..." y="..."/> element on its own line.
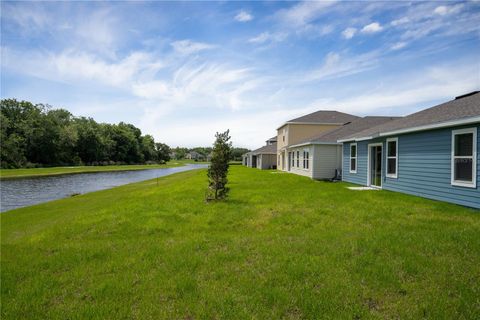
<point x="463" y="107"/>
<point x="270" y="149"/>
<point x="325" y="116"/>
<point x="348" y="129"/>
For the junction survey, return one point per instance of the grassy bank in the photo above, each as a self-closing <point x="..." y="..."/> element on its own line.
<point x="39" y="172"/>
<point x="282" y="246"/>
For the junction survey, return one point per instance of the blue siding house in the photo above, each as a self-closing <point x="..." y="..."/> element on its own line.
<point x="432" y="153"/>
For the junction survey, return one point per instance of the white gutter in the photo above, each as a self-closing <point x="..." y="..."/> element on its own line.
<point x="312" y="143"/>
<point x="354" y="139"/>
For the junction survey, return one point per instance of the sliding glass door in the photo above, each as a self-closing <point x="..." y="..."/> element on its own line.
<point x="375" y="165"/>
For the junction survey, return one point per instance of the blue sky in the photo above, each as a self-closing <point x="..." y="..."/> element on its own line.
<point x="183" y="70"/>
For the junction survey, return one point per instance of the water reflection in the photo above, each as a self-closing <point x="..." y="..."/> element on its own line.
<point x="19" y="193"/>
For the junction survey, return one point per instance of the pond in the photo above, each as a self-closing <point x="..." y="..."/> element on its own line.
<point x="18" y="193"/>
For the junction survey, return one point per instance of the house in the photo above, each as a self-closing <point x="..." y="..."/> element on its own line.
<point x="296" y="130"/>
<point x="247" y="159"/>
<point x="432" y="153"/>
<point x="264" y="157"/>
<point x="194" y="155"/>
<point x="320" y="156"/>
<point x="271" y="141"/>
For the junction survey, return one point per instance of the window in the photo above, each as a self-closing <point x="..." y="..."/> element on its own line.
<point x="298" y="159"/>
<point x="306" y="158"/>
<point x="293" y="159"/>
<point x="392" y="157"/>
<point x="464" y="157"/>
<point x="353" y="158"/>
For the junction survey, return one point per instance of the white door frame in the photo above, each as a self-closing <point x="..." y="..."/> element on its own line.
<point x="369" y="182"/>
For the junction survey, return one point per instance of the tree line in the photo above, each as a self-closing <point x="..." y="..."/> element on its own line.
<point x="181" y="152"/>
<point x="38" y="135"/>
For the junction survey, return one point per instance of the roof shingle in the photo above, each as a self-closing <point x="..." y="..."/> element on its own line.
<point x="325" y="116"/>
<point x="270" y="149"/>
<point x="463" y="107"/>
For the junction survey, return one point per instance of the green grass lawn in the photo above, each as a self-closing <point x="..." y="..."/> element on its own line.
<point x="282" y="246"/>
<point x="38" y="172"/>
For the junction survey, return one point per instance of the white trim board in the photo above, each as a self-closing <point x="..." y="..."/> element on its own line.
<point x="456" y="183"/>
<point x="392" y="176"/>
<point x="368" y="164"/>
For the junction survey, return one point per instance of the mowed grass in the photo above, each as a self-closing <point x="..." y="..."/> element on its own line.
<point x="282" y="246"/>
<point x="51" y="171"/>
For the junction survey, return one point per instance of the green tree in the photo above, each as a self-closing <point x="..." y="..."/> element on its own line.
<point x="148" y="148"/>
<point x="42" y="135"/>
<point x="180" y="152"/>
<point x="218" y="169"/>
<point x="163" y="152"/>
<point x="237" y="153"/>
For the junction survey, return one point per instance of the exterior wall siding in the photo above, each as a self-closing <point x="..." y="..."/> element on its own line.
<point x="299" y="169"/>
<point x="424" y="167"/>
<point x="361" y="176"/>
<point x="266" y="161"/>
<point x="326" y="158"/>
<point x="300" y="132"/>
<point x="293" y="134"/>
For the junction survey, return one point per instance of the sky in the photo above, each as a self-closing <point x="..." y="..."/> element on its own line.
<point x="182" y="71"/>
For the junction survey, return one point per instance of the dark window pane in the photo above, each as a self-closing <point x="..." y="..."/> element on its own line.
<point x="353" y="164"/>
<point x="392" y="148"/>
<point x="353" y="150"/>
<point x="463" y="170"/>
<point x="464" y="144"/>
<point x="392" y="166"/>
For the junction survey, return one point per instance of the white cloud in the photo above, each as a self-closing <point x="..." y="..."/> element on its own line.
<point x="412" y="91"/>
<point x="304" y="12"/>
<point x="426" y="18"/>
<point x="398" y="45"/>
<point x="327" y="29"/>
<point x="372" y="28"/>
<point x="99" y="32"/>
<point x="268" y="37"/>
<point x="28" y="17"/>
<point x="349" y="33"/>
<point x="337" y="66"/>
<point x="187" y="47"/>
<point x="72" y="66"/>
<point x="441" y="10"/>
<point x="244" y="16"/>
<point x="445" y="10"/>
<point x="400" y="21"/>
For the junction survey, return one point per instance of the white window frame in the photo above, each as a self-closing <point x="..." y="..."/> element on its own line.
<point x="306" y="159"/>
<point x="395" y="176"/>
<point x="350" y="158"/>
<point x="457" y="183"/>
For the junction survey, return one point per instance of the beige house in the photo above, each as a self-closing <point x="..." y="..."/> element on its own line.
<point x="297" y="130"/>
<point x="264" y="157"/>
<point x="320" y="156"/>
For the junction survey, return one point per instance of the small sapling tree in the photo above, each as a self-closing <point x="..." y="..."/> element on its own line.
<point x="218" y="169"/>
